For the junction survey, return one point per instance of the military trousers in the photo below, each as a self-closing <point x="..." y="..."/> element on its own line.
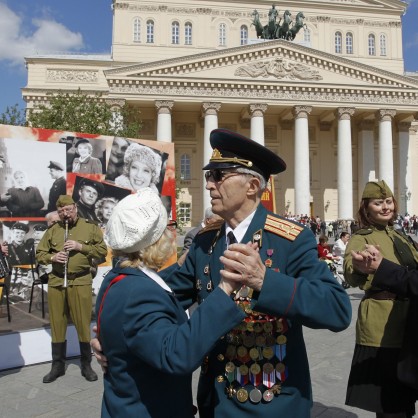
<point x="76" y="301"/>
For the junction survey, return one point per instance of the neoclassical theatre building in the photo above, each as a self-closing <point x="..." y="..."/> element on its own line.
<point x="335" y="103"/>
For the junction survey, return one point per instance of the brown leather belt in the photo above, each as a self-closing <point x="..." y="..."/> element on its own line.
<point x="380" y="295"/>
<point x="71" y="276"/>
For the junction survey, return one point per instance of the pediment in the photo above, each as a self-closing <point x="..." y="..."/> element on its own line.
<point x="269" y="62"/>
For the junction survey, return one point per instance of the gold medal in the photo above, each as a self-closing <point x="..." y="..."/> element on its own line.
<point x="242" y="351"/>
<point x="280" y="367"/>
<point x="281" y="339"/>
<point x="255" y="369"/>
<point x="268" y="326"/>
<point x="268" y="368"/>
<point x="260" y="340"/>
<point x="242" y="395"/>
<point x="268" y="352"/>
<point x="270" y="340"/>
<point x="254" y="354"/>
<point x="248" y="340"/>
<point x="250" y="326"/>
<point x="243" y="369"/>
<point x="258" y="327"/>
<point x="229" y="367"/>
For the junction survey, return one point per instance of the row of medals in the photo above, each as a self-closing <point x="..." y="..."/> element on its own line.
<point x="251" y="354"/>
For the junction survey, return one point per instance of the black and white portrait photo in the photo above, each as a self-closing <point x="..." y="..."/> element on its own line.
<point x="85" y="156"/>
<point x="26" y="185"/>
<point x="143" y="166"/>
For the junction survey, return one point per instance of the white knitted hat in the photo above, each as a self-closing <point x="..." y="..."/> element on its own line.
<point x="137" y="222"/>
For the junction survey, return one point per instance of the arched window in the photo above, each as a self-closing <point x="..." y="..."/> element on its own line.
<point x="244" y="35"/>
<point x="185" y="173"/>
<point x="137" y="29"/>
<point x="338" y="42"/>
<point x="372" y="44"/>
<point x="150" y="32"/>
<point x="222" y="34"/>
<point x="306" y="36"/>
<point x="383" y="50"/>
<point x="349" y="43"/>
<point x="175" y="33"/>
<point x="188" y="33"/>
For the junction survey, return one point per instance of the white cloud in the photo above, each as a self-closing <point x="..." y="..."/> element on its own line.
<point x="16" y="41"/>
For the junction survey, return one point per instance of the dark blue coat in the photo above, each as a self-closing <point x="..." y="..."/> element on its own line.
<point x="152" y="348"/>
<point x="297" y="286"/>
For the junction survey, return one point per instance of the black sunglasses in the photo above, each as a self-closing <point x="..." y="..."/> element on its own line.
<point x="218" y="174"/>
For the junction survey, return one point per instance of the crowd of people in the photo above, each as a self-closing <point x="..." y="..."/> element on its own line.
<point x="258" y="278"/>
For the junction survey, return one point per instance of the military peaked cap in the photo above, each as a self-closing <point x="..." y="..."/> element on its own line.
<point x="96" y="185"/>
<point x="56" y="165"/>
<point x="232" y="150"/>
<point x="40" y="227"/>
<point x="20" y="225"/>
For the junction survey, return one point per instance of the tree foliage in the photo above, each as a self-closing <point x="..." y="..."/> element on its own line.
<point x="79" y="112"/>
<point x="13" y="116"/>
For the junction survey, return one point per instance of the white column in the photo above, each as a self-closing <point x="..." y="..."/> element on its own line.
<point x="302" y="180"/>
<point x="257" y="111"/>
<point x="164" y="108"/>
<point x="385" y="146"/>
<point x="405" y="168"/>
<point x="366" y="158"/>
<point x="210" y="113"/>
<point x="345" y="164"/>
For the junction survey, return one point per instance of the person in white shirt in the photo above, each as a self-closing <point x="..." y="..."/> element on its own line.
<point x="338" y="250"/>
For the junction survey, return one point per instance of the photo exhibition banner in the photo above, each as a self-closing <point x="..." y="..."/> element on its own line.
<point x="38" y="165"/>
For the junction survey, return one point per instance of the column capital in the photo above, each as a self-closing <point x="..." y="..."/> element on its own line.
<point x="344" y="113"/>
<point x="301" y="111"/>
<point x="164" y="106"/>
<point x="116" y="103"/>
<point x="210" y="108"/>
<point x="386" y="115"/>
<point x="257" y="109"/>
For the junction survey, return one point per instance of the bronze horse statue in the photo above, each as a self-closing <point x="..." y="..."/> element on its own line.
<point x="283" y="30"/>
<point x="296" y="27"/>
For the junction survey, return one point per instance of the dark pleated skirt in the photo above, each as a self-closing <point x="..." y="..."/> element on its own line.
<point x="373" y="384"/>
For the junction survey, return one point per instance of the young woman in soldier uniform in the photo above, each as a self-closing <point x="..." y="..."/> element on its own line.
<point x="152" y="347"/>
<point x="373" y="383"/>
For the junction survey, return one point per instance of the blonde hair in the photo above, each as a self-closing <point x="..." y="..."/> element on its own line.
<point x="153" y="256"/>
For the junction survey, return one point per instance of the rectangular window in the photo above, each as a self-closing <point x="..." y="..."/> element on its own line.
<point x="184" y="212"/>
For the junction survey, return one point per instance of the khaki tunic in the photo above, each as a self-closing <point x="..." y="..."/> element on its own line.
<point x="380" y="323"/>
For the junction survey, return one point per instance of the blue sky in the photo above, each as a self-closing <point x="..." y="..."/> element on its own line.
<point x="30" y="26"/>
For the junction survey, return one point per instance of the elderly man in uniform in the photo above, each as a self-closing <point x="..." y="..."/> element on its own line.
<point x="71" y="257"/>
<point x="90" y="191"/>
<point x="59" y="186"/>
<point x="260" y="369"/>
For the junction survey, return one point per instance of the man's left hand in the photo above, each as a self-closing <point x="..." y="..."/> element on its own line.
<point x="242" y="263"/>
<point x="72" y="245"/>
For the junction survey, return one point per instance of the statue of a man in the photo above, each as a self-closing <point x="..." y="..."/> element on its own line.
<point x="273" y="13"/>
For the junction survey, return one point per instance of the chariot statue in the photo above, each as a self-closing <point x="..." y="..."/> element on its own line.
<point x="284" y="29"/>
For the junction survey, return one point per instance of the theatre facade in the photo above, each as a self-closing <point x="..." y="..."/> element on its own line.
<point x="335" y="103"/>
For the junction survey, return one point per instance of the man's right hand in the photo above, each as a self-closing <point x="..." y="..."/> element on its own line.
<point x="97" y="351"/>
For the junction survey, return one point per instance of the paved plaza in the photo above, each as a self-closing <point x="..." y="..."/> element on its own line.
<point x="23" y="395"/>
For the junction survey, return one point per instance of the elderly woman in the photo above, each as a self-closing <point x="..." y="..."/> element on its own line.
<point x="142" y="168"/>
<point x="85" y="163"/>
<point x="150" y="343"/>
<point x="23" y="200"/>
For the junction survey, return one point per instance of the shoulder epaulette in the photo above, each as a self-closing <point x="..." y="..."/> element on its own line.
<point x="214" y="226"/>
<point x="282" y="227"/>
<point x="363" y="232"/>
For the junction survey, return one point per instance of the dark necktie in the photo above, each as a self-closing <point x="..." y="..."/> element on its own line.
<point x="231" y="238"/>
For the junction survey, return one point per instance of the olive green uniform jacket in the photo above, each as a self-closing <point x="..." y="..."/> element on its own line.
<point x="380" y="323"/>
